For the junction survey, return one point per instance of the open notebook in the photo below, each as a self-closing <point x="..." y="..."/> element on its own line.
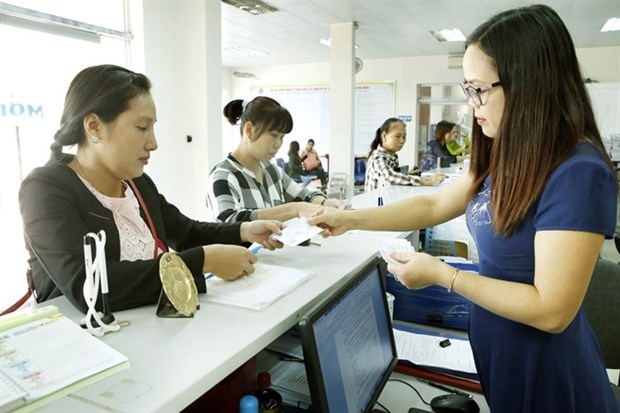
<point x="44" y="356"/>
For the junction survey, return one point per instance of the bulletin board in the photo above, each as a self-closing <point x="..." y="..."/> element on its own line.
<point x="310" y="107"/>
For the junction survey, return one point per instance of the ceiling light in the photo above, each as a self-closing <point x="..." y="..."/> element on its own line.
<point x="254" y="7"/>
<point x="448" y="35"/>
<point x="328" y="43"/>
<point x="246" y="51"/>
<point x="611" y="25"/>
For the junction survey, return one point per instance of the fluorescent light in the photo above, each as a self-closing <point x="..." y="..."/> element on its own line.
<point x="611" y="25"/>
<point x="328" y="43"/>
<point x="448" y="35"/>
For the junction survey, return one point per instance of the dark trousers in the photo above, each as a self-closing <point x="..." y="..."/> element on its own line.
<point x="319" y="172"/>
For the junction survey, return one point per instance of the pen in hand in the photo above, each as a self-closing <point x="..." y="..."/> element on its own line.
<point x="444" y="388"/>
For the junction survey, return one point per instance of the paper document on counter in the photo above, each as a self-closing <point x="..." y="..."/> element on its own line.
<point x="257" y="290"/>
<point x="424" y="350"/>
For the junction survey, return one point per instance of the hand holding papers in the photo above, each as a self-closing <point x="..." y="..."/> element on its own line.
<point x="296" y="231"/>
<point x="390" y="245"/>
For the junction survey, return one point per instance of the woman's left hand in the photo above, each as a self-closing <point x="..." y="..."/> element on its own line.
<point x="260" y="231"/>
<point x="417" y="270"/>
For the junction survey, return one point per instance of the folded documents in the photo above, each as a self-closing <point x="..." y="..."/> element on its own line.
<point x="390" y="245"/>
<point x="296" y="231"/>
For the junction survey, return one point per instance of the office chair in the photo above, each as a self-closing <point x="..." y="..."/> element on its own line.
<point x="603" y="311"/>
<point x="360" y="171"/>
<point x="281" y="163"/>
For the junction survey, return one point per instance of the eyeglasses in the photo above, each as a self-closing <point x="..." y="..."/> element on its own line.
<point x="473" y="93"/>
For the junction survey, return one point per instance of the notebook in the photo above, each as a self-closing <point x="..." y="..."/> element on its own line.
<point x="45" y="357"/>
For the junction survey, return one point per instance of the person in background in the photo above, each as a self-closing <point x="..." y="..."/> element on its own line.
<point x="312" y="162"/>
<point x="295" y="168"/>
<point x="110" y="115"/>
<point x="382" y="164"/>
<point x="453" y="146"/>
<point x="445" y="133"/>
<point x="246" y="185"/>
<point x="535" y="174"/>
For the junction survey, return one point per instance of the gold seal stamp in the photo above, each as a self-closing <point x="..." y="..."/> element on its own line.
<point x="178" y="284"/>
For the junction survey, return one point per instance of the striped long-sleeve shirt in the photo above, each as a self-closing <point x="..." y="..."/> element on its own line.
<point x="382" y="163"/>
<point x="235" y="194"/>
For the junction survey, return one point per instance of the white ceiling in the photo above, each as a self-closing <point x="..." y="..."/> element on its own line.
<point x="387" y="28"/>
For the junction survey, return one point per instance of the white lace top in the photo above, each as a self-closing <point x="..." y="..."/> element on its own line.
<point x="136" y="241"/>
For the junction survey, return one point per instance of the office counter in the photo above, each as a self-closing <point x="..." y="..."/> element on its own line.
<point x="175" y="361"/>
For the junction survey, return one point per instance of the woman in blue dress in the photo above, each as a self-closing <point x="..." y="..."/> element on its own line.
<point x="540" y="198"/>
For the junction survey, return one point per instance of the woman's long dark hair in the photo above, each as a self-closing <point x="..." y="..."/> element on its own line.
<point x="547" y="109"/>
<point x="293" y="148"/>
<point x="105" y="91"/>
<point x="443" y="127"/>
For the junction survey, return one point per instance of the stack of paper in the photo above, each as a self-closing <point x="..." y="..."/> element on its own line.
<point x="257" y="290"/>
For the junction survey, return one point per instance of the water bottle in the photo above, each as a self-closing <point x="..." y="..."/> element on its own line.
<point x="248" y="404"/>
<point x="269" y="400"/>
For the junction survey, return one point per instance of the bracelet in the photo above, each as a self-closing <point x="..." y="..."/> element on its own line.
<point x="456" y="272"/>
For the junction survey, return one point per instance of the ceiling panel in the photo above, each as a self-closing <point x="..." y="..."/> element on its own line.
<point x="388" y="28"/>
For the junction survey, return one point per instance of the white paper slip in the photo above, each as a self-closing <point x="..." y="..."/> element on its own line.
<point x="390" y="245"/>
<point x="257" y="290"/>
<point x="424" y="350"/>
<point x="296" y="231"/>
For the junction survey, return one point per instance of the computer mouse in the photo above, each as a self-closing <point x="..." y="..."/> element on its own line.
<point x="454" y="403"/>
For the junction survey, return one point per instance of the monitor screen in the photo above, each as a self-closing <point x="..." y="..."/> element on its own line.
<point x="348" y="344"/>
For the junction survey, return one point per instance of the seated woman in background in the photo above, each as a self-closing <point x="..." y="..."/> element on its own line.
<point x="383" y="158"/>
<point x="445" y="132"/>
<point x="312" y="163"/>
<point x="246" y="185"/>
<point x="295" y="168"/>
<point x="110" y="115"/>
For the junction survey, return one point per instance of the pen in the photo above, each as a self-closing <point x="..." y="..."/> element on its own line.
<point x="444" y="388"/>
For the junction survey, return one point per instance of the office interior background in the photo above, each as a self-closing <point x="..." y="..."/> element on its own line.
<point x="200" y="54"/>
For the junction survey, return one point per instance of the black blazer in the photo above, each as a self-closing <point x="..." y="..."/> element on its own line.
<point x="58" y="210"/>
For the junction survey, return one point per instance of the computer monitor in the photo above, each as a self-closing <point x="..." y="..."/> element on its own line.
<point x="348" y="344"/>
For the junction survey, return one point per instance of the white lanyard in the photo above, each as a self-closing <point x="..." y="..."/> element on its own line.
<point x="97" y="323"/>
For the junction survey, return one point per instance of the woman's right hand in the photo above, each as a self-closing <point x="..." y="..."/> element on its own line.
<point x="333" y="221"/>
<point x="228" y="262"/>
<point x="306" y="209"/>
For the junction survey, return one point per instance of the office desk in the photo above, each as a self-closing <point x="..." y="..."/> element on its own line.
<point x="174" y="361"/>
